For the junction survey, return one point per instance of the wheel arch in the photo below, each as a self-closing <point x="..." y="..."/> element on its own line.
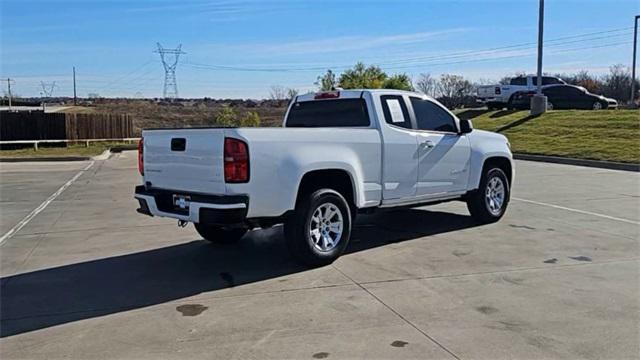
<point x="501" y="162"/>
<point x="336" y="179"/>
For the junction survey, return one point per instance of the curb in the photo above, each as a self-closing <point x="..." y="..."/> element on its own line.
<point x="45" y="158"/>
<point x="104" y="156"/>
<point x="580" y="162"/>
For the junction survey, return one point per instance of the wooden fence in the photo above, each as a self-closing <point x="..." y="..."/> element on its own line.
<point x="38" y="125"/>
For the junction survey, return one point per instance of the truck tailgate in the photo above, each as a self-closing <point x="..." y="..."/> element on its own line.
<point x="189" y="160"/>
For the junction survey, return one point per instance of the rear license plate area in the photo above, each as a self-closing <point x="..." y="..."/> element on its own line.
<point x="181" y="202"/>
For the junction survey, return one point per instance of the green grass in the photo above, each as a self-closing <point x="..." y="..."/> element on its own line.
<point x="612" y="135"/>
<point x="71" y="150"/>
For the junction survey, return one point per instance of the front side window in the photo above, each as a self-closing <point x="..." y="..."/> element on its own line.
<point x="430" y="116"/>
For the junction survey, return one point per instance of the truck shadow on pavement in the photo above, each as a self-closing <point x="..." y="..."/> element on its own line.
<point x="65" y="294"/>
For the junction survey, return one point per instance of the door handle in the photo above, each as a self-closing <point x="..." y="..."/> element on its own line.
<point x="428" y="144"/>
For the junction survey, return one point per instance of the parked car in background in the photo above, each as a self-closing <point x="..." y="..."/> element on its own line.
<point x="565" y="97"/>
<point x="501" y="96"/>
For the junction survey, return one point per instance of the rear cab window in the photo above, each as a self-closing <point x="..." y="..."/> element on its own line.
<point x="329" y="113"/>
<point x="395" y="111"/>
<point x="518" y="81"/>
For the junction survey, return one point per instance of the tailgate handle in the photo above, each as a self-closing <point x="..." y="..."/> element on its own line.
<point x="178" y="144"/>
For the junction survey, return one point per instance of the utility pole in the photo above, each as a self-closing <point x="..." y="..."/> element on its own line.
<point x="633" y="64"/>
<point x="170" y="84"/>
<point x="539" y="101"/>
<point x="75" y="99"/>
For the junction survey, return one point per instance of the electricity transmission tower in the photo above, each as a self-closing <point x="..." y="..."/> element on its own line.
<point x="170" y="61"/>
<point x="47" y="88"/>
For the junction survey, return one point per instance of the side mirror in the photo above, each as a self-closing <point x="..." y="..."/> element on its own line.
<point x="466" y="126"/>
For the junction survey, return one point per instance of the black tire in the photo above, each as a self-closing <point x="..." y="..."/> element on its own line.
<point x="477" y="202"/>
<point x="220" y="235"/>
<point x="297" y="228"/>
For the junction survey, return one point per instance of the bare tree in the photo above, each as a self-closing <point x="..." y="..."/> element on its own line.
<point x="427" y="84"/>
<point x="291" y="93"/>
<point x="278" y="92"/>
<point x="453" y="89"/>
<point x="617" y="83"/>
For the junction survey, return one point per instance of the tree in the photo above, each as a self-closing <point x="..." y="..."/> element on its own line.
<point x="251" y="119"/>
<point x="454" y="85"/>
<point x="327" y="82"/>
<point x="398" y="82"/>
<point x="291" y="93"/>
<point x="617" y="83"/>
<point x="278" y="92"/>
<point x="226" y="116"/>
<point x="453" y="89"/>
<point x="362" y="77"/>
<point x="427" y="84"/>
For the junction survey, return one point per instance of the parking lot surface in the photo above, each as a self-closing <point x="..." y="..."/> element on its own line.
<point x="85" y="276"/>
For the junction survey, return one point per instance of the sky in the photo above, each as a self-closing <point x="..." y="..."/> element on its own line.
<point x="240" y="49"/>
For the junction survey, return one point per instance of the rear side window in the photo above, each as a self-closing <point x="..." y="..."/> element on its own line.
<point x="329" y="113"/>
<point x="518" y="81"/>
<point x="395" y="111"/>
<point x="430" y="116"/>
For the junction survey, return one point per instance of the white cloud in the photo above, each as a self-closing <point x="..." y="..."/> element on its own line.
<point x="343" y="43"/>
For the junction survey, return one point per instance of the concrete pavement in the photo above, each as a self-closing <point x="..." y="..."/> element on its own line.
<point x="88" y="277"/>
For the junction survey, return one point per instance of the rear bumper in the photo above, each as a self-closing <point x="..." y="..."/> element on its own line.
<point x="208" y="209"/>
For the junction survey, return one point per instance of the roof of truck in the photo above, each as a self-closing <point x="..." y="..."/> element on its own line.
<point x="354" y="93"/>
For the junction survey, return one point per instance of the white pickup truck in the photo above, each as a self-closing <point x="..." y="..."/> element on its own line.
<point x="337" y="154"/>
<point x="500" y="96"/>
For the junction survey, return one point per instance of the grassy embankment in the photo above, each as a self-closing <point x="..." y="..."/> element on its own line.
<point x="612" y="135"/>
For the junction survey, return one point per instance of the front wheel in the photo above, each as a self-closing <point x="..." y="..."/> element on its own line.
<point x="549" y="105"/>
<point x="489" y="203"/>
<point x="221" y="235"/>
<point x="319" y="230"/>
<point x="597" y="105"/>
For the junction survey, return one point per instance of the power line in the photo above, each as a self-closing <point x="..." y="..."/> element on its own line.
<point x="554" y="42"/>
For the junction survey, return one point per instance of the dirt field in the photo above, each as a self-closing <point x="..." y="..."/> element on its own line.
<point x="150" y="114"/>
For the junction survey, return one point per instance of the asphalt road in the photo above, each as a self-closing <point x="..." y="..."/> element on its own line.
<point x="87" y="277"/>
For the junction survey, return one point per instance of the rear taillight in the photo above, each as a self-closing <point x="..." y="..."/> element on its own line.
<point x="498" y="91"/>
<point x="236" y="161"/>
<point x="140" y="156"/>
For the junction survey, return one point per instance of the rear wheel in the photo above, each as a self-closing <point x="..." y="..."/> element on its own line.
<point x="319" y="230"/>
<point x="218" y="234"/>
<point x="549" y="105"/>
<point x="489" y="203"/>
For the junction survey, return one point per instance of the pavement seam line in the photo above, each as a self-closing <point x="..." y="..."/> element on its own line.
<point x="556" y="267"/>
<point x="501" y="271"/>
<point x="42" y="206"/>
<point x="577" y="211"/>
<point x="398" y="314"/>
